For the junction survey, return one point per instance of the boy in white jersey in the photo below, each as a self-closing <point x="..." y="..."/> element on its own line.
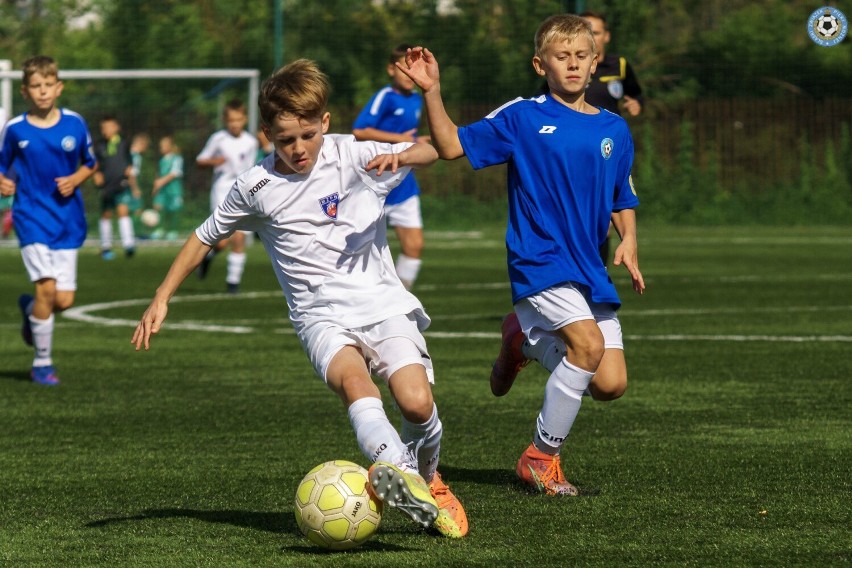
<point x="51" y="150"/>
<point x="569" y="174"/>
<point x="316" y="204"/>
<point x="229" y="152"/>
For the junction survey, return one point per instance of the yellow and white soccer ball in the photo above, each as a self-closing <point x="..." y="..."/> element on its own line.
<point x="150" y="217"/>
<point x="334" y="507"/>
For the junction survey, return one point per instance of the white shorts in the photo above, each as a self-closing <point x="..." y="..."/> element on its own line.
<point x="387" y="346"/>
<point x="218" y="194"/>
<point x="60" y="265"/>
<point x="406" y="214"/>
<point x="543" y="313"/>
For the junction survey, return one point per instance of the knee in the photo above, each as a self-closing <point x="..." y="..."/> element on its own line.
<point x="62" y="303"/>
<point x="588" y="351"/>
<point x="608" y="390"/>
<point x="417" y="406"/>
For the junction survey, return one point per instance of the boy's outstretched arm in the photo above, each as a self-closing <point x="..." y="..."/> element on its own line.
<point x="189" y="257"/>
<point x="627" y="251"/>
<point x="415" y="156"/>
<point x="422" y="67"/>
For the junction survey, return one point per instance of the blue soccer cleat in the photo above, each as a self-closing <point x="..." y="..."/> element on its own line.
<point x="45" y="376"/>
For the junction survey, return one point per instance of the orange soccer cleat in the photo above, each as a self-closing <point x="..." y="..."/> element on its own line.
<point x="452" y="520"/>
<point x="543" y="472"/>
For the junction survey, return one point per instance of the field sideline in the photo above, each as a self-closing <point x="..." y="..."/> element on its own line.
<point x="731" y="447"/>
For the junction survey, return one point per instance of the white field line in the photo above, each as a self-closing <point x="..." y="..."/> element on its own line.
<point x="85" y="314"/>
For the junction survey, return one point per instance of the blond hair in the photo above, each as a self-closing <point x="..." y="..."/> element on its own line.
<point x="563" y="27"/>
<point x="41" y="64"/>
<point x="298" y="89"/>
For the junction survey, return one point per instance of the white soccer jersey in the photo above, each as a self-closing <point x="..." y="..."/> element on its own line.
<point x="240" y="154"/>
<point x="324" y="233"/>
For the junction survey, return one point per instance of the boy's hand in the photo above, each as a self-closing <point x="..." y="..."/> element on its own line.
<point x="383" y="162"/>
<point x="422" y="67"/>
<point x="7" y="187"/>
<point x="627" y="254"/>
<point x="65" y="185"/>
<point x="150" y="324"/>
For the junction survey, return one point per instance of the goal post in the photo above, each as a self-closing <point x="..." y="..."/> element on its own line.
<point x="7" y="75"/>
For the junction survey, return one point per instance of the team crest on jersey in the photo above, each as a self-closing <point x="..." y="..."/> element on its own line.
<point x="23" y="144"/>
<point x="606" y="148"/>
<point x="615" y="89"/>
<point x="329" y="205"/>
<point x="69" y="143"/>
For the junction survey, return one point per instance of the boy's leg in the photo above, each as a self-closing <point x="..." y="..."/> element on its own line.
<point x="236" y="261"/>
<point x="408" y="262"/>
<point x="393" y="476"/>
<point x="407" y="221"/>
<point x="125" y="229"/>
<point x="42" y="323"/>
<point x="105" y="229"/>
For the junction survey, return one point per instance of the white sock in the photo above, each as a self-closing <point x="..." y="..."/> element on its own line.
<point x="42" y="340"/>
<point x="105" y="228"/>
<point x="549" y="351"/>
<point x="425" y="441"/>
<point x="407" y="269"/>
<point x="236" y="266"/>
<point x="377" y="438"/>
<point x="563" y="395"/>
<point x="125" y="229"/>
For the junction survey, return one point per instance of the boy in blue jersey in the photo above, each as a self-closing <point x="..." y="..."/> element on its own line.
<point x="51" y="150"/>
<point x="569" y="167"/>
<point x="393" y="115"/>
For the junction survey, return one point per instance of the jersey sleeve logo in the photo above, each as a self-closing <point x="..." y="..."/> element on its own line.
<point x="329" y="205"/>
<point x="606" y="148"/>
<point x="69" y="143"/>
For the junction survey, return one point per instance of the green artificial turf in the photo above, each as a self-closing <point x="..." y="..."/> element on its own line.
<point x="730" y="448"/>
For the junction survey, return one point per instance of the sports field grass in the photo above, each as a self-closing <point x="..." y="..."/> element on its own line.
<point x="731" y="447"/>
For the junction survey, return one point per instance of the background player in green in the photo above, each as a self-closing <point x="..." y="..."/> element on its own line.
<point x="393" y="115"/>
<point x="168" y="189"/>
<point x="51" y="150"/>
<point x="112" y="178"/>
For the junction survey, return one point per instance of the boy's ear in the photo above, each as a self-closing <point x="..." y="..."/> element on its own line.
<point x="391" y="68"/>
<point x="536" y="62"/>
<point x="326" y="121"/>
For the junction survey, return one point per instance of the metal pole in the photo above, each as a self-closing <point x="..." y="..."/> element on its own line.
<point x="278" y="44"/>
<point x="6" y="90"/>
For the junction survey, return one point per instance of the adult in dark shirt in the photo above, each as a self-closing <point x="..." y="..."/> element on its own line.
<point x="614" y="81"/>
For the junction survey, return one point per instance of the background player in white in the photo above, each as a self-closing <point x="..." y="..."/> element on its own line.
<point x="317" y="205"/>
<point x="229" y="152"/>
<point x="393" y="115"/>
<point x="569" y="173"/>
<point x="51" y="150"/>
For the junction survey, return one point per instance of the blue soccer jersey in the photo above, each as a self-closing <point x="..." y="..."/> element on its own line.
<point x="391" y="111"/>
<point x="40" y="155"/>
<point x="567" y="172"/>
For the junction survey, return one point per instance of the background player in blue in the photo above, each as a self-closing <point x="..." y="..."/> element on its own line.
<point x="393" y="115"/>
<point x="569" y="167"/>
<point x="51" y="149"/>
